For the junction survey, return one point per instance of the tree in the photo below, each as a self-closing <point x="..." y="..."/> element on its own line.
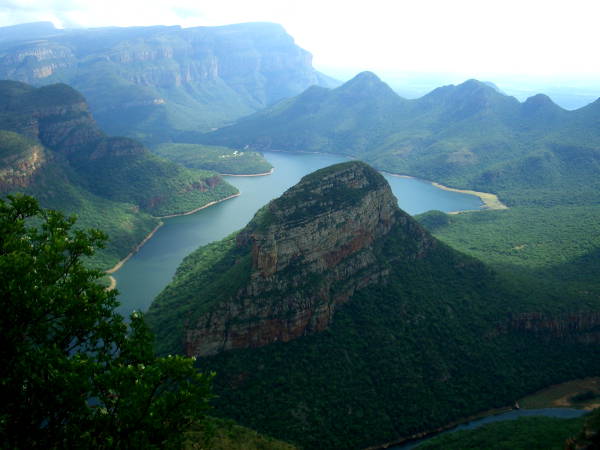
<point x="73" y="373"/>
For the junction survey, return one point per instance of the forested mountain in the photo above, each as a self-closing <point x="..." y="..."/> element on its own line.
<point x="51" y="147"/>
<point x="334" y="320"/>
<point x="153" y="82"/>
<point x="470" y="135"/>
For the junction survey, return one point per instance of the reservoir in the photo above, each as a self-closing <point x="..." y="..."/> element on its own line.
<point x="151" y="269"/>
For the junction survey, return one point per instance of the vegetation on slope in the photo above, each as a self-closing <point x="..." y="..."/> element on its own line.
<point x="113" y="184"/>
<point x="398" y="359"/>
<point x="429" y="346"/>
<point x="468" y="136"/>
<point x="219" y="159"/>
<point x="223" y="434"/>
<point x="13" y="147"/>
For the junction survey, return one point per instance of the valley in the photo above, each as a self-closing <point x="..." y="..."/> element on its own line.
<point x="276" y="228"/>
<point x="52" y="148"/>
<point x="150" y="269"/>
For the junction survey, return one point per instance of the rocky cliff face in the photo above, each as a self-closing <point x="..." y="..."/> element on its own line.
<point x="35" y="61"/>
<point x="310" y="250"/>
<point x="17" y="172"/>
<point x="57" y="115"/>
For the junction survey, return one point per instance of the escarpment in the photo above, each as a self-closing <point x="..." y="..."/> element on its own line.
<point x="301" y="256"/>
<point x="152" y="83"/>
<point x="20" y="160"/>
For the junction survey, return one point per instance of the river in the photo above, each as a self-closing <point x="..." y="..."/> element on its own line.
<point x="561" y="413"/>
<point x="151" y="269"/>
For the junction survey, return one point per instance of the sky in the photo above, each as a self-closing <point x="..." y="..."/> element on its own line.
<point x="480" y="39"/>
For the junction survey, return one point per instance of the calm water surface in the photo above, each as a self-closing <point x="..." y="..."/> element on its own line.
<point x="151" y="269"/>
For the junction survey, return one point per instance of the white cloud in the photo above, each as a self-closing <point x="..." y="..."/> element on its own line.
<point x="467" y="36"/>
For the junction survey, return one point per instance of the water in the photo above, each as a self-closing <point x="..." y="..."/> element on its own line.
<point x="151" y="269"/>
<point x="561" y="413"/>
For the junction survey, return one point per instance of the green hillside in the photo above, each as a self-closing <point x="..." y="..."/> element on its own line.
<point x="441" y="336"/>
<point x="469" y="136"/>
<point x="219" y="159"/>
<point x="51" y="148"/>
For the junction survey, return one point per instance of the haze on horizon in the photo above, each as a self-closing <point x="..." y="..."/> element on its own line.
<point x="519" y="45"/>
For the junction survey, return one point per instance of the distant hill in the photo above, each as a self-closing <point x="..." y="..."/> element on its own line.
<point x="50" y="147"/>
<point x="334" y="320"/>
<point x="152" y="82"/>
<point x="470" y="135"/>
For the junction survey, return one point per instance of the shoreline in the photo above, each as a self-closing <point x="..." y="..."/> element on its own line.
<point x="436" y="431"/>
<point x="113" y="283"/>
<point x="200" y="208"/>
<point x="353" y="158"/>
<point x="133" y="252"/>
<point x="490" y="201"/>
<point x="116" y="267"/>
<point x="248" y="174"/>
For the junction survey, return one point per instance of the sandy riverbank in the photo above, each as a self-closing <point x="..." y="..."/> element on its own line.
<point x="490" y="201"/>
<point x="248" y="174"/>
<point x="113" y="281"/>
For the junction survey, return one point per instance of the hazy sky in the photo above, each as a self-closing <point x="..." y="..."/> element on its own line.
<point x="476" y="38"/>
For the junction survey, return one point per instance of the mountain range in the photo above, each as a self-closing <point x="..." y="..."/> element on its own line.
<point x="470" y="135"/>
<point x="153" y="82"/>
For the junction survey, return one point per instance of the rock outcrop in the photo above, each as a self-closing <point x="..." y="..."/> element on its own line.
<point x="309" y="251"/>
<point x="17" y="171"/>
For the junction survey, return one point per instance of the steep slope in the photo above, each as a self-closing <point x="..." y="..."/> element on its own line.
<point x="350" y="119"/>
<point x="51" y="147"/>
<point x="152" y="82"/>
<point x="468" y="135"/>
<point x="334" y="320"/>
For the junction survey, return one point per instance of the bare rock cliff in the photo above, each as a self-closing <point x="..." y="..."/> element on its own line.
<point x="310" y="250"/>
<point x="17" y="171"/>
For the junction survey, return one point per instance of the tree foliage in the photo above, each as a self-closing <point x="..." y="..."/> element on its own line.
<point x="73" y="372"/>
